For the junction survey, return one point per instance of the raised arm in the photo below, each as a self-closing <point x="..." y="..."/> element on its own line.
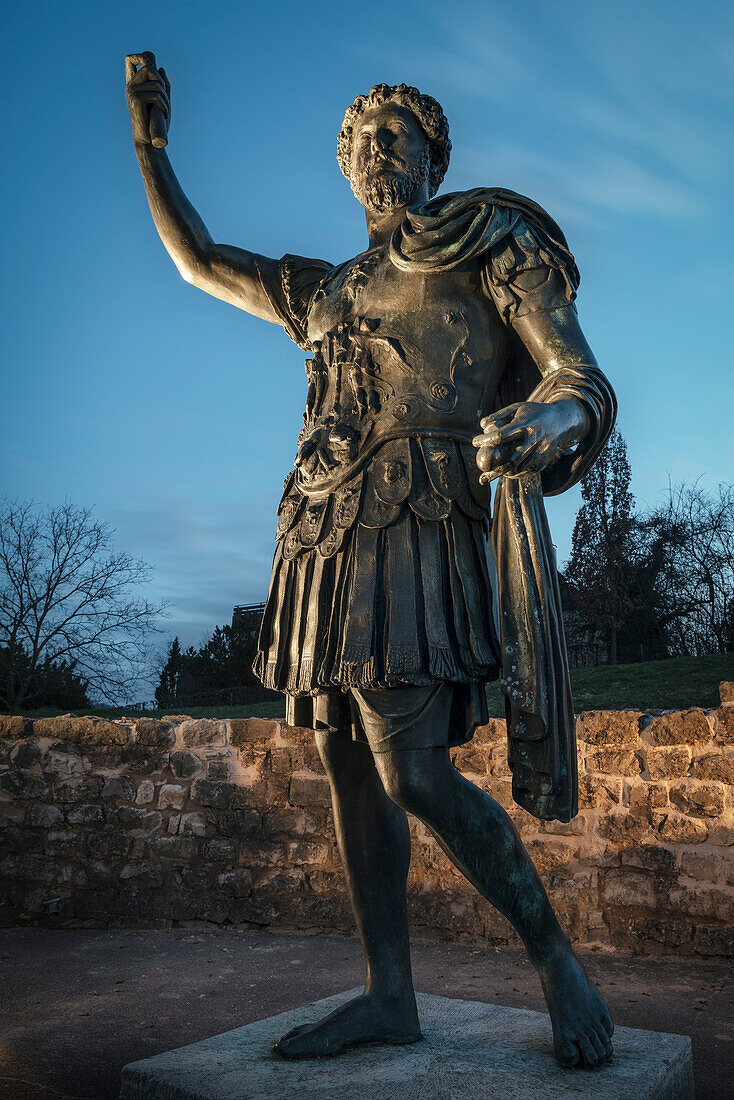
<point x="231" y="274"/>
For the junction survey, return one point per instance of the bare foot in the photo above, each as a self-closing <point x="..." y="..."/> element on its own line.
<point x="366" y="1019"/>
<point x="582" y="1026"/>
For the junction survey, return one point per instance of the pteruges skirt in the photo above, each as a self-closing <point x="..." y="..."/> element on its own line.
<point x="410" y="603"/>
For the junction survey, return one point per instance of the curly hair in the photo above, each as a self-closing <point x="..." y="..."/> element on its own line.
<point x="426" y="109"/>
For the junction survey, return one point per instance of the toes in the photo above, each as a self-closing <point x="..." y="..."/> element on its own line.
<point x="590" y="1056"/>
<point x="603" y="1044"/>
<point x="599" y="1046"/>
<point x="567" y="1054"/>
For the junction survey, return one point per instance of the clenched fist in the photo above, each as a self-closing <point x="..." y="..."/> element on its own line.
<point x="148" y="94"/>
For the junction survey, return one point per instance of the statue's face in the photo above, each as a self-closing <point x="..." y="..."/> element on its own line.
<point x="390" y="157"/>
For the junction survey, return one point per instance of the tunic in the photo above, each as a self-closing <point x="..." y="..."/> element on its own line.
<point x="381" y="575"/>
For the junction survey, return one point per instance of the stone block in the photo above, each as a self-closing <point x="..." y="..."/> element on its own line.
<point x="703" y="900"/>
<point x="675" y="828"/>
<point x="646" y="797"/>
<point x="29" y="867"/>
<point x="86" y="815"/>
<point x="22" y="784"/>
<point x="599" y="792"/>
<point x="109" y="844"/>
<point x="121" y="788"/>
<point x="652" y="857"/>
<point x="145" y="761"/>
<point x="722" y="832"/>
<point x="237" y="882"/>
<point x="12" y="727"/>
<point x="469" y="1050"/>
<point x="264" y="730"/>
<point x="705" y="866"/>
<point x="613" y="761"/>
<point x="171" y="797"/>
<point x="694" y="796"/>
<point x="668" y="761"/>
<point x="213" y="792"/>
<point x="186" y="765"/>
<point x="726" y="691"/>
<point x="178" y="849"/>
<point x="193" y="824"/>
<point x="154" y="733"/>
<point x="622" y="828"/>
<point x="83" y="731"/>
<point x="143" y="874"/>
<point x="623" y="887"/>
<point x="201" y="732"/>
<point x="219" y="850"/>
<point x="687" y="727"/>
<point x="25" y="753"/>
<point x="714" y="765"/>
<point x="145" y="793"/>
<point x="240" y="824"/>
<point x="308" y="853"/>
<point x="134" y="817"/>
<point x="218" y="769"/>
<point x="619" y="728"/>
<point x="494" y="733"/>
<point x="709" y="940"/>
<point x="309" y="790"/>
<point x="43" y="816"/>
<point x="724" y="725"/>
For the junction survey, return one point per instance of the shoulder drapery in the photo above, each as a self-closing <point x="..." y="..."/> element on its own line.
<point x="513" y="235"/>
<point x="291" y="293"/>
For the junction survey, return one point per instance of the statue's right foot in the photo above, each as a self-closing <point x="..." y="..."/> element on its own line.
<point x="582" y="1026"/>
<point x="367" y="1019"/>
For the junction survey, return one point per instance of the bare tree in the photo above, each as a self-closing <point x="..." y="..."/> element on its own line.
<point x="696" y="580"/>
<point x="67" y="596"/>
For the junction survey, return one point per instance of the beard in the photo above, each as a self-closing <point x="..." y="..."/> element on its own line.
<point x="382" y="189"/>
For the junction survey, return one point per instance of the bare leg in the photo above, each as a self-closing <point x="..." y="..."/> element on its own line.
<point x="374" y="843"/>
<point x="481" y="840"/>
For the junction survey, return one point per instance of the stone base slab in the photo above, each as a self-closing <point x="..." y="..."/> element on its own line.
<point x="469" y="1050"/>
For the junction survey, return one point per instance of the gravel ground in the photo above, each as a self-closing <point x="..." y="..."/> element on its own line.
<point x="78" y="1005"/>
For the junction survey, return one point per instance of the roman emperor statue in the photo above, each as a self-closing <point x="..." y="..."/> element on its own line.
<point x="445" y="357"/>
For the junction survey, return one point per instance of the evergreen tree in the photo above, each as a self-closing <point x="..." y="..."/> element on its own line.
<point x="601" y="572"/>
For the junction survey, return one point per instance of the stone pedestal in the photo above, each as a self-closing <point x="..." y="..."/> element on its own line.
<point x="469" y="1050"/>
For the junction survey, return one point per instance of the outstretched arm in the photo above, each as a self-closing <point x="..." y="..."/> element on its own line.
<point x="231" y="274"/>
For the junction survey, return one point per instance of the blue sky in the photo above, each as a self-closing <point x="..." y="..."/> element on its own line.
<point x="176" y="415"/>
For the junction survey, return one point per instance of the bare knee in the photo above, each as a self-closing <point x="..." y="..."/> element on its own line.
<point x="408" y="779"/>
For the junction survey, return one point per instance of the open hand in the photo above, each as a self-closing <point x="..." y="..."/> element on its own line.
<point x="147" y="91"/>
<point x="527" y="436"/>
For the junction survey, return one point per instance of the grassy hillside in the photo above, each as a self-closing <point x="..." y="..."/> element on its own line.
<point x="655" y="685"/>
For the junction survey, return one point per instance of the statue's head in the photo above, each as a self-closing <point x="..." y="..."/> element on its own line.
<point x="392" y="141"/>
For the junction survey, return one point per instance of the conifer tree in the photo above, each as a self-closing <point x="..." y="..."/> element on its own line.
<point x="600" y="573"/>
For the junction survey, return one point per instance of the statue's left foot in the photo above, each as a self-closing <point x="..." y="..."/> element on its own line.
<point x="582" y="1026"/>
<point x="366" y="1019"/>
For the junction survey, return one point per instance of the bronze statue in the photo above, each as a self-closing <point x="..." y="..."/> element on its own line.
<point x="445" y="355"/>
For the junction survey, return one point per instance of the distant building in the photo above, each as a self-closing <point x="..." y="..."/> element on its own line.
<point x="244" y="614"/>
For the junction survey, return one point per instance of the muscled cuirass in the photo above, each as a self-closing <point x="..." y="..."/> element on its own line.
<point x="403" y="367"/>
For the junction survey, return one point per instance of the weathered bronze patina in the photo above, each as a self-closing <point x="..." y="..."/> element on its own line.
<point x="446" y="355"/>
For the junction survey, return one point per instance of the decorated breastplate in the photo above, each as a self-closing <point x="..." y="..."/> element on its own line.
<point x="368" y="386"/>
<point x="383" y="431"/>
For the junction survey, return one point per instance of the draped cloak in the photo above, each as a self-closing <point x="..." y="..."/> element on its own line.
<point x="517" y="235"/>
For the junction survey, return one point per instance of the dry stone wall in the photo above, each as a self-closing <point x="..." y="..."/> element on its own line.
<point x="146" y="822"/>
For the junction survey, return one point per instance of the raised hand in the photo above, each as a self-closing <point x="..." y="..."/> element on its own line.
<point x="527" y="436"/>
<point x="148" y="94"/>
